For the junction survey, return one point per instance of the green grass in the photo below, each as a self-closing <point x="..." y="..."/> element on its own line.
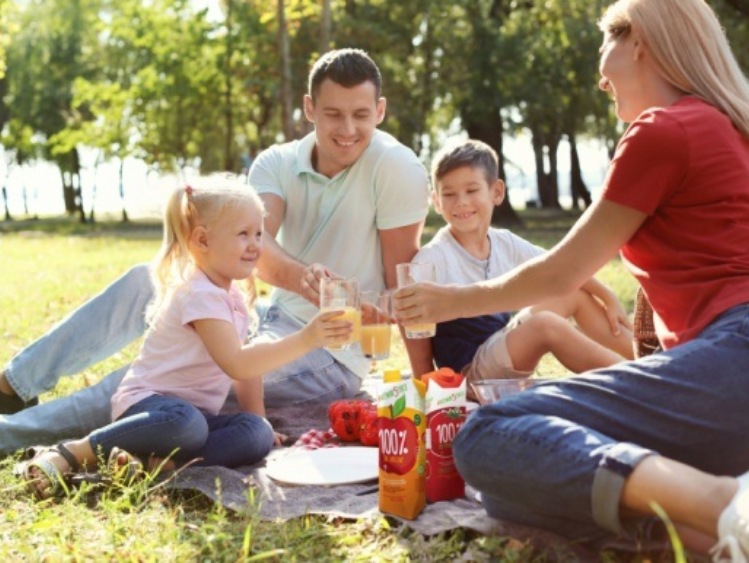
<point x="51" y="266"/>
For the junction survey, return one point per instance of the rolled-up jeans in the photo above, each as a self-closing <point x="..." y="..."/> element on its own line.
<point x="104" y="325"/>
<point x="557" y="455"/>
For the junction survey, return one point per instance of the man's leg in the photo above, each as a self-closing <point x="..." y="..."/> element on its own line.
<point x="73" y="416"/>
<point x="94" y="331"/>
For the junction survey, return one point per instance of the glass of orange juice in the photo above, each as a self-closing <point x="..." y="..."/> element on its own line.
<point x="375" y="324"/>
<point x="411" y="273"/>
<point x="344" y="295"/>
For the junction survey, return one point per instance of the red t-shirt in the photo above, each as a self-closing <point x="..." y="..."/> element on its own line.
<point x="687" y="167"/>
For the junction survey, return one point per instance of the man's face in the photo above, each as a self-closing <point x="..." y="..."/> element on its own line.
<point x="345" y="120"/>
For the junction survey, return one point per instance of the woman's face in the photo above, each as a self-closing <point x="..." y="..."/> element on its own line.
<point x="619" y="72"/>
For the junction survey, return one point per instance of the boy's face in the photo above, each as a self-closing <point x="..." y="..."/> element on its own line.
<point x="345" y="120"/>
<point x="466" y="200"/>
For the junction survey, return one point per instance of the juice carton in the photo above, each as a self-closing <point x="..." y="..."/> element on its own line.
<point x="401" y="420"/>
<point x="446" y="413"/>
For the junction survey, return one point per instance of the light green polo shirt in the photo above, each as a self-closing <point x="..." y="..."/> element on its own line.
<point x="335" y="221"/>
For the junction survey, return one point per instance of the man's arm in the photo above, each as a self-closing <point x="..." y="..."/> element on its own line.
<point x="278" y="268"/>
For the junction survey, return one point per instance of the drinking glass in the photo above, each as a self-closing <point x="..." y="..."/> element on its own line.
<point x="342" y="294"/>
<point x="408" y="274"/>
<point x="375" y="324"/>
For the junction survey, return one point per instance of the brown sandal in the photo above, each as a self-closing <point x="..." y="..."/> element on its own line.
<point x="57" y="479"/>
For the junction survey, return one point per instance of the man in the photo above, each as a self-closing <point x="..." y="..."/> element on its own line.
<point x="347" y="200"/>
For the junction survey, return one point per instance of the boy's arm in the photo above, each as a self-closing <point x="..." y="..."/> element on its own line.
<point x="420" y="354"/>
<point x="611" y="305"/>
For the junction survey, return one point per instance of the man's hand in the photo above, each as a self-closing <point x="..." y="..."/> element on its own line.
<point x="309" y="285"/>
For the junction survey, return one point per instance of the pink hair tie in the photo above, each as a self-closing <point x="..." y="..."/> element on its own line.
<point x="188" y="190"/>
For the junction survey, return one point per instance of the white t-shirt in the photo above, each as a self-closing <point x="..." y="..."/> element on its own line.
<point x="335" y="221"/>
<point x="456" y="341"/>
<point x="455" y="265"/>
<point x="173" y="360"/>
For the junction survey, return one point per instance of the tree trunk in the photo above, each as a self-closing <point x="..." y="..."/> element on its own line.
<point x="537" y="142"/>
<point x="578" y="189"/>
<point x="325" y="25"/>
<point x="553" y="177"/>
<point x="5" y="203"/>
<point x="489" y="129"/>
<point x="229" y="163"/>
<point x="125" y="218"/>
<point x="286" y="101"/>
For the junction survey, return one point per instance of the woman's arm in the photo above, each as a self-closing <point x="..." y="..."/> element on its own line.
<point x="592" y="241"/>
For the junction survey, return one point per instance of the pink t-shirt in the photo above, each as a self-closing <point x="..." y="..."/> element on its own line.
<point x="687" y="167"/>
<point x="173" y="360"/>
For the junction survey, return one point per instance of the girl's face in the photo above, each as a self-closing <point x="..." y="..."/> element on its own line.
<point x="232" y="245"/>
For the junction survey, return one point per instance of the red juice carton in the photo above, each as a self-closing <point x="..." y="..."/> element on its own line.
<point x="445" y="407"/>
<point x="401" y="423"/>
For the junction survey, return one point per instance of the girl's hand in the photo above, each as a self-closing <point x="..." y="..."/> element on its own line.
<point x="426" y="303"/>
<point x="328" y="328"/>
<point x="279" y="439"/>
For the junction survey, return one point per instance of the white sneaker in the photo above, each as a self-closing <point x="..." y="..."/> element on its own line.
<point x="733" y="527"/>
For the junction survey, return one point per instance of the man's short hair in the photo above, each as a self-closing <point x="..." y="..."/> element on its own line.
<point x="347" y="67"/>
<point x="473" y="153"/>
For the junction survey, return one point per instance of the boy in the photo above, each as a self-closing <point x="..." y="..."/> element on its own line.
<point x="466" y="188"/>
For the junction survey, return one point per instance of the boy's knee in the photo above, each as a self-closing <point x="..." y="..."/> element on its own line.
<point x="549" y="324"/>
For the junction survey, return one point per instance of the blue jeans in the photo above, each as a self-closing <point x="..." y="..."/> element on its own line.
<point x="165" y="426"/>
<point x="557" y="456"/>
<point x="108" y="322"/>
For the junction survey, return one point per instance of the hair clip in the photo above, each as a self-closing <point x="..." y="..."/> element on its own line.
<point x="188" y="190"/>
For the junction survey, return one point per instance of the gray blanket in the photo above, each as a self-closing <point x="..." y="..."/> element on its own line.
<point x="250" y="489"/>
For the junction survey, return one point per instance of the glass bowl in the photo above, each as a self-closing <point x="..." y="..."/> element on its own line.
<point x="491" y="390"/>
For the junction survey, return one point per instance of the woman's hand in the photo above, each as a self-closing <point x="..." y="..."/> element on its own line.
<point x="427" y="303"/>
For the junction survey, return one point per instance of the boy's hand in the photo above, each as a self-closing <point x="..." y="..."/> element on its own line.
<point x="616" y="315"/>
<point x="328" y="329"/>
<point x="310" y="282"/>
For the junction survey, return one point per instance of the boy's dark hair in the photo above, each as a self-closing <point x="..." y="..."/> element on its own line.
<point x="347" y="67"/>
<point x="473" y="153"/>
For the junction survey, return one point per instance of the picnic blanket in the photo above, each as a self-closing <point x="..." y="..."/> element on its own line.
<point x="251" y="490"/>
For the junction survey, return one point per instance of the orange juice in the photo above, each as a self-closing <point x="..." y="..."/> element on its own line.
<point x="353" y="315"/>
<point x="401" y="421"/>
<point x="375" y="341"/>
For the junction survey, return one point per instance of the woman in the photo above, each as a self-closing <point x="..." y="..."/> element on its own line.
<point x="591" y="454"/>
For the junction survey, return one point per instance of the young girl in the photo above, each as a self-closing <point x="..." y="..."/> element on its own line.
<point x="167" y="406"/>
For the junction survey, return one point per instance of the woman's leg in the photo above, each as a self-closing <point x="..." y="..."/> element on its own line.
<point x="94" y="331"/>
<point x="558" y="456"/>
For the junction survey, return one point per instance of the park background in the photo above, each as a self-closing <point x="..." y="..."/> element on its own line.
<point x="106" y="104"/>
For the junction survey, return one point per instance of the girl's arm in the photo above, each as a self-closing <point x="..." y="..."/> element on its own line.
<point x="258" y="357"/>
<point x="591" y="242"/>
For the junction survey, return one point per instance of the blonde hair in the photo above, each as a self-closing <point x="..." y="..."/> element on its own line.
<point x="690" y="49"/>
<point x="200" y="203"/>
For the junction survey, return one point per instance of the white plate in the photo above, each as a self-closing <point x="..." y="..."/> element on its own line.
<point x="327" y="466"/>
